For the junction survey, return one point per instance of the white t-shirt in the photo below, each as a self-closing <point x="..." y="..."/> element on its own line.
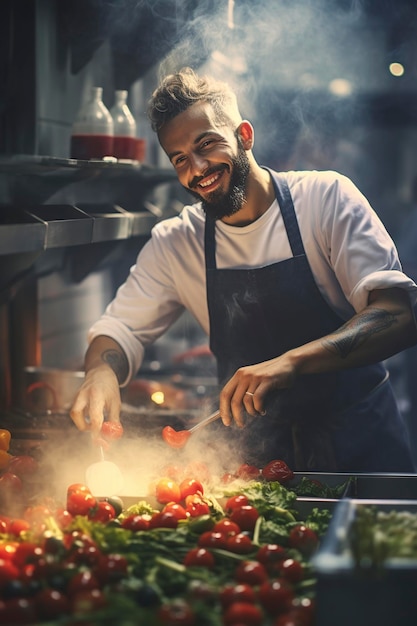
<point x="349" y="251"/>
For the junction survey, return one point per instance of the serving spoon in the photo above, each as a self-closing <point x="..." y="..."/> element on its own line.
<point x="178" y="438"/>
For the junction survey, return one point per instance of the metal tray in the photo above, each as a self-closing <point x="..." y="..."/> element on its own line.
<point x="384" y="486"/>
<point x="346" y="594"/>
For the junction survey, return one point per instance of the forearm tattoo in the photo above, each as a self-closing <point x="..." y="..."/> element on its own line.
<point x="357" y="331"/>
<point x="117" y="362"/>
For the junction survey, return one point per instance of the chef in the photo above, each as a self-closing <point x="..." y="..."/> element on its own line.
<point x="294" y="279"/>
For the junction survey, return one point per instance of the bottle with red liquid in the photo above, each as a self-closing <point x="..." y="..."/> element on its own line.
<point x="124" y="127"/>
<point x="92" y="132"/>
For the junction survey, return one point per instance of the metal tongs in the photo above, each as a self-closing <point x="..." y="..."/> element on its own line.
<point x="204" y="422"/>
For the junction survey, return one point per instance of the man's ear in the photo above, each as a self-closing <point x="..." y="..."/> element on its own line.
<point x="246" y="134"/>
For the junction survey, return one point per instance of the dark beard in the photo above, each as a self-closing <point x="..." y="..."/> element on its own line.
<point x="224" y="204"/>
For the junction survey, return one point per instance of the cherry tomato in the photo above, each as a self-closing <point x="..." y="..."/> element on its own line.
<point x="227" y="478"/>
<point x="248" y="472"/>
<point x="82" y="581"/>
<point x="189" y="487"/>
<point x="303" y="539"/>
<point x="196" y="507"/>
<point x="239" y="544"/>
<point x="112" y="430"/>
<point x="292" y="570"/>
<point x="277" y="470"/>
<point x="167" y="490"/>
<point x="175" y="438"/>
<point x="23" y="466"/>
<point x="102" y="512"/>
<point x="270" y="554"/>
<point x="235" y="502"/>
<point x="227" y="527"/>
<point x="303" y="611"/>
<point x="76" y="487"/>
<point x="111" y="568"/>
<point x="63" y="517"/>
<point x="8" y="549"/>
<point x="51" y="604"/>
<point x="245" y="516"/>
<point x="199" y="557"/>
<point x="163" y="520"/>
<point x="19" y="611"/>
<point x="81" y="503"/>
<point x="276" y="595"/>
<point x="18" y="526"/>
<point x="176" y="613"/>
<point x="198" y="470"/>
<point x="251" y="572"/>
<point x="136" y="522"/>
<point x="10" y="484"/>
<point x="243" y="614"/>
<point x="176" y="509"/>
<point x="236" y="593"/>
<point x="8" y="571"/>
<point x="212" y="539"/>
<point x="27" y="552"/>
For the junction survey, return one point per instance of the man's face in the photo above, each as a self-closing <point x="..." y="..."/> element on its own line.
<point x="209" y="159"/>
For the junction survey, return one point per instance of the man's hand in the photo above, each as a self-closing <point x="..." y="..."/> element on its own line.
<point x="99" y="396"/>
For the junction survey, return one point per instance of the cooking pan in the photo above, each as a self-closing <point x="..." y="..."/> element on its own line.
<point x="49" y="389"/>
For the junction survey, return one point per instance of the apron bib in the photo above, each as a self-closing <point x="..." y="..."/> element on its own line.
<point x="338" y="421"/>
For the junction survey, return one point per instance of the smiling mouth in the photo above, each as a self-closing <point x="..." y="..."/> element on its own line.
<point x="210" y="181"/>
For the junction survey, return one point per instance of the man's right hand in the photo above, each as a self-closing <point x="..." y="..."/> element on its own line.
<point x="98" y="398"/>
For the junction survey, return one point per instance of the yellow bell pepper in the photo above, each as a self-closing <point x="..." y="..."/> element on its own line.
<point x="5" y="437"/>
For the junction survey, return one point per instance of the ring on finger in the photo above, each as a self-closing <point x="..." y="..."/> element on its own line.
<point x="249" y="393"/>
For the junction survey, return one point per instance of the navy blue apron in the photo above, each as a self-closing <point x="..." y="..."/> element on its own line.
<point x="334" y="422"/>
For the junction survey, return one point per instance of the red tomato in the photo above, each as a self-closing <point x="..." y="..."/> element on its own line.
<point x="8" y="549"/>
<point x="276" y="595"/>
<point x="189" y="487"/>
<point x="227" y="527"/>
<point x="245" y="517"/>
<point x="175" y="438"/>
<point x="199" y="557"/>
<point x="176" y="613"/>
<point x="292" y="570"/>
<point x="302" y="611"/>
<point x="277" y="470"/>
<point x="112" y="430"/>
<point x="236" y="593"/>
<point x="19" y="611"/>
<point x="227" y="478"/>
<point x="212" y="539"/>
<point x="82" y="581"/>
<point x="103" y="512"/>
<point x="23" y="466"/>
<point x="243" y="614"/>
<point x="10" y="483"/>
<point x="248" y="472"/>
<point x="8" y="571"/>
<point x="27" y="552"/>
<point x="51" y="604"/>
<point x="75" y="487"/>
<point x="63" y="517"/>
<point x="111" y="568"/>
<point x="270" y="554"/>
<point x="251" y="572"/>
<point x="136" y="522"/>
<point x="81" y="503"/>
<point x="18" y="526"/>
<point x="195" y="506"/>
<point x="163" y="520"/>
<point x="303" y="539"/>
<point x="176" y="509"/>
<point x="172" y="471"/>
<point x="235" y="502"/>
<point x="167" y="490"/>
<point x="239" y="544"/>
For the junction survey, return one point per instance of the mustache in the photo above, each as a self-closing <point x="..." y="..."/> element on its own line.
<point x="212" y="170"/>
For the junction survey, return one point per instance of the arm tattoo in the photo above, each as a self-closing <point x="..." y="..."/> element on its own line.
<point x="117" y="362"/>
<point x="356" y="332"/>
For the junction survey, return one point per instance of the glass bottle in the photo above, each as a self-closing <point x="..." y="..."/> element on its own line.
<point x="124" y="143"/>
<point x="92" y="131"/>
